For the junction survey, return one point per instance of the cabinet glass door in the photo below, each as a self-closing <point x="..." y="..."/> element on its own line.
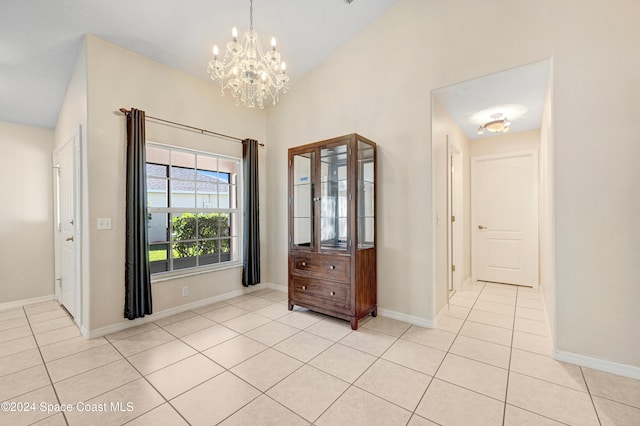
<point x="303" y="178"/>
<point x="333" y="197"/>
<point x="366" y="191"/>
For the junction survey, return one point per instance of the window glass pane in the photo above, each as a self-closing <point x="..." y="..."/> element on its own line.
<point x="182" y="159"/>
<point x="184" y="255"/>
<point x="223" y="196"/>
<point x="158" y="227"/>
<point x="207" y="196"/>
<point x="225" y="249"/>
<point x="157" y="170"/>
<point x="159" y="258"/>
<point x="184" y="226"/>
<point x="207" y="164"/>
<point x="157" y="155"/>
<point x="183" y="194"/>
<point x="208" y="225"/>
<point x="224" y="226"/>
<point x="157" y="195"/>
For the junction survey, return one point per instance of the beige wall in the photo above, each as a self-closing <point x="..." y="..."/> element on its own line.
<point x="26" y="216"/>
<point x="506" y="143"/>
<point x="120" y="78"/>
<point x="72" y="119"/>
<point x="379" y="84"/>
<point x="444" y="128"/>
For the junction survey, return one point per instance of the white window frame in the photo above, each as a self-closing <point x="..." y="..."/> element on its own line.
<point x="238" y="211"/>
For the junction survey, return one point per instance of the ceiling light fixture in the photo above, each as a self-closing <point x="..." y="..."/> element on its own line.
<point x="497" y="125"/>
<point x="251" y="75"/>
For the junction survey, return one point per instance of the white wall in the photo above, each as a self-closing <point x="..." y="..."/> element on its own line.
<point x="26" y="216"/>
<point x="379" y="84"/>
<point x="120" y="78"/>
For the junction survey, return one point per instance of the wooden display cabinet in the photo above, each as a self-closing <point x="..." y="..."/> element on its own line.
<point x="332" y="227"/>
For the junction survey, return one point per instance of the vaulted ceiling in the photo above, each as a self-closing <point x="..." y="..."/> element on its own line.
<point x="40" y="39"/>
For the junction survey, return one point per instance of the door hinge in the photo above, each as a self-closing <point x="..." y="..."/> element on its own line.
<point x="453" y="218"/>
<point x="289" y="163"/>
<point x="59" y="281"/>
<point x="453" y="268"/>
<point x="351" y="196"/>
<point x="289" y="238"/>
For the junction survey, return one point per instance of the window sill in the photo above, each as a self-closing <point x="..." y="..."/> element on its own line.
<point x="168" y="276"/>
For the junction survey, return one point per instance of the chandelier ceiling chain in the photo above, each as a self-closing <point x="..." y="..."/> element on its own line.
<point x="250" y="74"/>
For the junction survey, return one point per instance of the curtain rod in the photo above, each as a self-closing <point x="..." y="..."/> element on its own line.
<point x="203" y="131"/>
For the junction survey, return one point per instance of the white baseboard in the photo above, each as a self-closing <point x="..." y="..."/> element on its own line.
<point x="598" y="364"/>
<point x="18" y="303"/>
<point x="123" y="325"/>
<point x="422" y="322"/>
<point x="277" y="287"/>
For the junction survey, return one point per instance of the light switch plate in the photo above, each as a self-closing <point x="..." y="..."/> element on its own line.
<point x="104" y="223"/>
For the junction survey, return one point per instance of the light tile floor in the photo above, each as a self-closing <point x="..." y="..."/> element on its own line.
<point x="249" y="361"/>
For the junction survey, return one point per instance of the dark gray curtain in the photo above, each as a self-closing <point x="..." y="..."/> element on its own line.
<point x="251" y="255"/>
<point x="137" y="277"/>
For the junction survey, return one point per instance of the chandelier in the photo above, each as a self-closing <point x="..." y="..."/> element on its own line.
<point x="497" y="124"/>
<point x="249" y="73"/>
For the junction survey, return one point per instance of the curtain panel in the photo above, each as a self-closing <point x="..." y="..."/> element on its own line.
<point x="137" y="276"/>
<point x="251" y="234"/>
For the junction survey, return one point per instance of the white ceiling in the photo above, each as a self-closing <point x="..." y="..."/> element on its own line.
<point x="525" y="86"/>
<point x="39" y="39"/>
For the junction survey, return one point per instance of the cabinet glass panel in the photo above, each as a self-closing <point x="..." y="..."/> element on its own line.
<point x="333" y="197"/>
<point x="303" y="199"/>
<point x="366" y="191"/>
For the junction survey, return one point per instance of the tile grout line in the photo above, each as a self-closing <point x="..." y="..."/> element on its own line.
<point x="146" y="380"/>
<point x="513" y="332"/>
<point x="44" y="364"/>
<point x="445" y="355"/>
<point x="590" y="396"/>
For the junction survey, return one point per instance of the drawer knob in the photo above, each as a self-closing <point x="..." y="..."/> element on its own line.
<point x="333" y="293"/>
<point x="332" y="267"/>
<point x="304" y="287"/>
<point x="304" y="263"/>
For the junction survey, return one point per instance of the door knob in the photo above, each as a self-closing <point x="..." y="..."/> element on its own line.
<point x="481" y="227"/>
<point x="69" y="239"/>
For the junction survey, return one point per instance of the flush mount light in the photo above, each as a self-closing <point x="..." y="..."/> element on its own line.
<point x="498" y="124"/>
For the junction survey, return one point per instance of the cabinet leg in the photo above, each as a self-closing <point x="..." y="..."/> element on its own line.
<point x="374" y="313"/>
<point x="290" y="306"/>
<point x="354" y="323"/>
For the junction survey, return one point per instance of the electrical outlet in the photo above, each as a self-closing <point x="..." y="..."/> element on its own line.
<point x="185" y="291"/>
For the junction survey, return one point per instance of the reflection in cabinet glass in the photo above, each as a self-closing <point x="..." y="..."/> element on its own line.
<point x="332" y="202"/>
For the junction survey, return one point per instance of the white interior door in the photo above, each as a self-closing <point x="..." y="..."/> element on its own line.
<point x="67" y="227"/>
<point x="504" y="209"/>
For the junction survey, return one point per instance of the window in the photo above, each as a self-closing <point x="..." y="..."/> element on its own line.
<point x="193" y="209"/>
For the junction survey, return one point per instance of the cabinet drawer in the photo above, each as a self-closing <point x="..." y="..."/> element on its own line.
<point x="326" y="267"/>
<point x="322" y="292"/>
